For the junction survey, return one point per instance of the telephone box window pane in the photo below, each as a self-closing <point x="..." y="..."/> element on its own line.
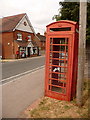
<point x="51" y="40"/>
<point x="59" y="90"/>
<point x="56" y="89"/>
<point x="58" y="69"/>
<point x="60" y="40"/>
<point x="55" y="55"/>
<point x="61" y="76"/>
<point x="61" y="62"/>
<point x="66" y="40"/>
<point x="61" y="45"/>
<point x="51" y="48"/>
<point x="57" y="82"/>
<point x="66" y="48"/>
<point x="62" y="48"/>
<point x="58" y="48"/>
<point x="58" y="76"/>
<point x="50" y="54"/>
<point x="50" y="81"/>
<point x="63" y="55"/>
<point x="63" y="70"/>
<point x="59" y="56"/>
<point x="50" y="61"/>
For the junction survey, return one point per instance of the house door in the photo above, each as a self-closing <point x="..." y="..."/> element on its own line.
<point x="28" y="50"/>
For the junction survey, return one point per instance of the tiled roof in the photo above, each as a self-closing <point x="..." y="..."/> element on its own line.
<point x="22" y="43"/>
<point x="36" y="41"/>
<point x="41" y="37"/>
<point x="10" y="22"/>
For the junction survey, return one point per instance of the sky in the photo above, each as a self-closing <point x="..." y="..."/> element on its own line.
<point x="40" y="12"/>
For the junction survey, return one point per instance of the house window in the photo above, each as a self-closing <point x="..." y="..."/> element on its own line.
<point x="19" y="36"/>
<point x="25" y="23"/>
<point x="29" y="38"/>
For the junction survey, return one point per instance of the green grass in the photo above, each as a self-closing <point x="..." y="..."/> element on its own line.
<point x="52" y="108"/>
<point x="66" y="107"/>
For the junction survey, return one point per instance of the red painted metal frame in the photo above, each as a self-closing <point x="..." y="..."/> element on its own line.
<point x="72" y="59"/>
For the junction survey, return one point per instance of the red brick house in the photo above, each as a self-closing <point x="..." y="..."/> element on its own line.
<point x="18" y="36"/>
<point x="0" y="51"/>
<point x="42" y="41"/>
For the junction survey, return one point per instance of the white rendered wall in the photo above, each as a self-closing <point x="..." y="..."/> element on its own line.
<point x="22" y="27"/>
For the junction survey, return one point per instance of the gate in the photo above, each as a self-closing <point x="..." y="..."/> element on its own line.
<point x="61" y="60"/>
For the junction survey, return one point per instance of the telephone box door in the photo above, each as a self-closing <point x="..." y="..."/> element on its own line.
<point x="58" y="67"/>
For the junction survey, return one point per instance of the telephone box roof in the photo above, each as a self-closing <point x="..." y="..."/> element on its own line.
<point x="62" y="21"/>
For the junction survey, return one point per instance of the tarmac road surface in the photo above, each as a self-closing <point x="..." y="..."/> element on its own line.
<point x="10" y="69"/>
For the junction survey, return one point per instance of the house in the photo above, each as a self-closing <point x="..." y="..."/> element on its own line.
<point x="42" y="41"/>
<point x="18" y="37"/>
<point x="0" y="51"/>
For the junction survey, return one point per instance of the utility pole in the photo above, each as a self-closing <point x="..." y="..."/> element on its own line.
<point x="81" y="51"/>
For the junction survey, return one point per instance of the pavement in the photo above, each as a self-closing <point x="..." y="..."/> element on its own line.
<point x="21" y="92"/>
<point x="13" y="60"/>
<point x="42" y="53"/>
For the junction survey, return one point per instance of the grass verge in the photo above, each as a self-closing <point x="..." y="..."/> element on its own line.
<point x="52" y="108"/>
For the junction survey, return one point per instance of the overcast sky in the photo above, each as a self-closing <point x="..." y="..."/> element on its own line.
<point x="40" y="12"/>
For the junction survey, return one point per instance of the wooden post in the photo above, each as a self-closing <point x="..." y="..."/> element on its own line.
<point x="81" y="56"/>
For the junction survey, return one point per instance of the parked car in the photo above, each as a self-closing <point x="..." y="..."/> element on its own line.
<point x="0" y="57"/>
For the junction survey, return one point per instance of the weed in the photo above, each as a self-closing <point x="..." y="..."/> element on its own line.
<point x="44" y="108"/>
<point x="32" y="112"/>
<point x="67" y="107"/>
<point x="84" y="115"/>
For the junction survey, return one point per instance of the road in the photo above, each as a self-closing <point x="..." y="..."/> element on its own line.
<point x="20" y="66"/>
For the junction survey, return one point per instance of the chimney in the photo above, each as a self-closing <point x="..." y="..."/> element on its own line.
<point x="45" y="34"/>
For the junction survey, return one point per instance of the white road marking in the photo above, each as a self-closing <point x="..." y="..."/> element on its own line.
<point x="24" y="73"/>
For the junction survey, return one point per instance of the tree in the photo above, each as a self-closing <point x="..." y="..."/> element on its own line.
<point x="70" y="11"/>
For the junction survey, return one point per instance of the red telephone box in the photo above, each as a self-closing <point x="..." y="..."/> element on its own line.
<point x="61" y="60"/>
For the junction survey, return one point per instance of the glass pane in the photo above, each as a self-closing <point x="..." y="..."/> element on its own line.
<point x="51" y="48"/>
<point x="58" y="62"/>
<point x="51" y="40"/>
<point x="57" y="82"/>
<point x="58" y="76"/>
<point x="60" y="40"/>
<point x="59" y="90"/>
